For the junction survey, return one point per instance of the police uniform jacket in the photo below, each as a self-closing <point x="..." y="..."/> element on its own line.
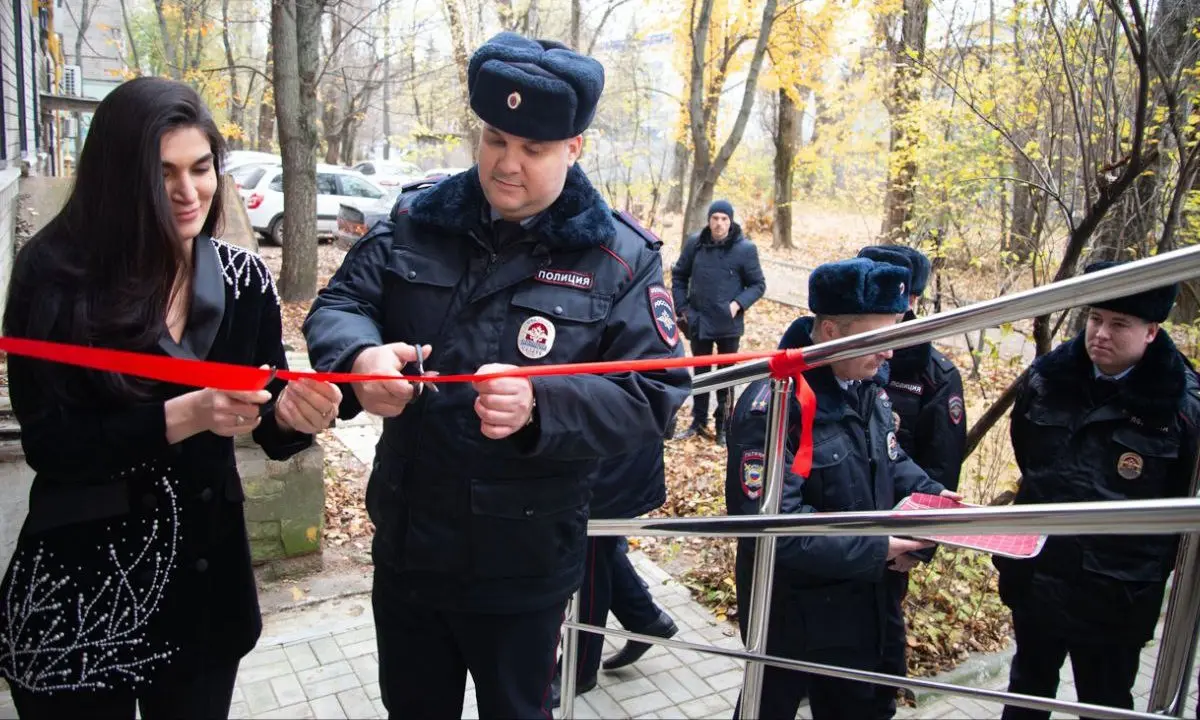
<point x="1078" y="439"/>
<point x="629" y="485"/>
<point x="133" y="562"/>
<point x="709" y="275"/>
<point x="830" y="588"/>
<point x="927" y="396"/>
<point x="462" y="521"/>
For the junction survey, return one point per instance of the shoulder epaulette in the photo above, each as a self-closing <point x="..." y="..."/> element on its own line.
<point x="651" y="239"/>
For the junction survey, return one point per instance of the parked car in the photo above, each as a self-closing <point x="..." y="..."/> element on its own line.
<point x="238" y="158"/>
<point x="389" y="173"/>
<point x="335" y="186"/>
<point x="353" y="221"/>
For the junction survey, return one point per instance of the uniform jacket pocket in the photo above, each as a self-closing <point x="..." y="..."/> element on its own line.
<point x="523" y="528"/>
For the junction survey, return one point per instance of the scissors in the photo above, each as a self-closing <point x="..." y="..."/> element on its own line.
<point x="420" y="386"/>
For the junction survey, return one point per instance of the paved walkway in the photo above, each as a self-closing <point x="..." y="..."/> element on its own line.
<point x="321" y="662"/>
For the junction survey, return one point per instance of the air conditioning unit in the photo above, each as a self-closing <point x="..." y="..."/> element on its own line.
<point x="72" y="82"/>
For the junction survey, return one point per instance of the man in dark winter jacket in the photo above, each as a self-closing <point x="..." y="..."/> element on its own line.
<point x="1109" y="415"/>
<point x="830" y="601"/>
<point x="625" y="486"/>
<point x="927" y="397"/>
<point x="479" y="494"/>
<point x="715" y="281"/>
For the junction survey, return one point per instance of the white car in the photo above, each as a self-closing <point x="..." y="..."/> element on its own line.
<point x="240" y="158"/>
<point x="263" y="194"/>
<point x="389" y="173"/>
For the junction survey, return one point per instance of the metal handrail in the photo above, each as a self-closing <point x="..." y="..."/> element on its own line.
<point x="1117" y="281"/>
<point x="1108" y="518"/>
<point x="812" y="668"/>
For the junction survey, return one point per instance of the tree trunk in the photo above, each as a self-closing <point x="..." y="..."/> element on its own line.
<point x="168" y="45"/>
<point x="679" y="178"/>
<point x="264" y="141"/>
<point x="787" y="132"/>
<point x="236" y="108"/>
<point x="706" y="169"/>
<point x="133" y="49"/>
<point x="295" y="27"/>
<point x="576" y="13"/>
<point x="458" y="37"/>
<point x="387" y="79"/>
<point x="904" y="136"/>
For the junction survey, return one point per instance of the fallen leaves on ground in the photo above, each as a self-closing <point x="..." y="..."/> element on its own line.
<point x="346" y="520"/>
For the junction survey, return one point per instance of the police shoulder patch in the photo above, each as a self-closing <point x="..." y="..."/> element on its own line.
<point x="629" y="221"/>
<point x="662" y="312"/>
<point x="753" y="462"/>
<point x="956" y="409"/>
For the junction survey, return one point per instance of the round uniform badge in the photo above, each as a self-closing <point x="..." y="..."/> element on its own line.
<point x="514" y="101"/>
<point x="536" y="337"/>
<point x="1129" y="466"/>
<point x="893" y="446"/>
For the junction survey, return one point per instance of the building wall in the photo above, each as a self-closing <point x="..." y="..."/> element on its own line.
<point x="9" y="68"/>
<point x="100" y="60"/>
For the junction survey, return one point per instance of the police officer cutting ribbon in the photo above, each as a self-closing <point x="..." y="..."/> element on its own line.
<point x="480" y="493"/>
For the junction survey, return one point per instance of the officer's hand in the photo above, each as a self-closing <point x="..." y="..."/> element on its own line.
<point x="504" y="405"/>
<point x="951" y="494"/>
<point x="899" y="546"/>
<point x="385" y="398"/>
<point x="733" y="308"/>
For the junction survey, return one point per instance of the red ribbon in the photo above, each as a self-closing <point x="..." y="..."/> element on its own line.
<point x="790" y="363"/>
<point x="226" y="376"/>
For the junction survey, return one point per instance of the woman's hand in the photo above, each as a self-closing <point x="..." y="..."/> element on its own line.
<point x="307" y="406"/>
<point x="221" y="412"/>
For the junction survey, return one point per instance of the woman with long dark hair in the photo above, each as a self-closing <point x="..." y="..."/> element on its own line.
<point x="131" y="584"/>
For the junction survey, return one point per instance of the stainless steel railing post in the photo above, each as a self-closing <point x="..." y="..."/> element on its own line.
<point x="570" y="660"/>
<point x="1173" y="669"/>
<point x="759" y="617"/>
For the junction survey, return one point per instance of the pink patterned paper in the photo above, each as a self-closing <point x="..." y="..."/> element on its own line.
<point x="1013" y="546"/>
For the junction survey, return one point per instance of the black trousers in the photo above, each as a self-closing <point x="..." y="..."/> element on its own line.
<point x="828" y="698"/>
<point x="610" y="584"/>
<point x="724" y="397"/>
<point x="1104" y="671"/>
<point x="425" y="653"/>
<point x="895" y="642"/>
<point x="201" y="695"/>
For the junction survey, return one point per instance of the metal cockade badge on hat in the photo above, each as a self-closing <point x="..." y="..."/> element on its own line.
<point x="514" y="100"/>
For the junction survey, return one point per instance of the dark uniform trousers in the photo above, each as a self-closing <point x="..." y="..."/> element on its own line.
<point x="610" y="584"/>
<point x="724" y="397"/>
<point x="895" y="642"/>
<point x="193" y="696"/>
<point x="425" y="654"/>
<point x="829" y="698"/>
<point x="1104" y="672"/>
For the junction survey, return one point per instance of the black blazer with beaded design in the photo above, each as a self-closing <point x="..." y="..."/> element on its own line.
<point x="133" y="561"/>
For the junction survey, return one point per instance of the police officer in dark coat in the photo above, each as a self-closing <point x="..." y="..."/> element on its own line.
<point x="927" y="397"/>
<point x="715" y="281"/>
<point x="625" y="486"/>
<point x="1109" y="415"/>
<point x="830" y="600"/>
<point x="479" y="494"/>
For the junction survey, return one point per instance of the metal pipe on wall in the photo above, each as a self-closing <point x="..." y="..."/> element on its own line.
<point x="764" y="553"/>
<point x="1121" y="280"/>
